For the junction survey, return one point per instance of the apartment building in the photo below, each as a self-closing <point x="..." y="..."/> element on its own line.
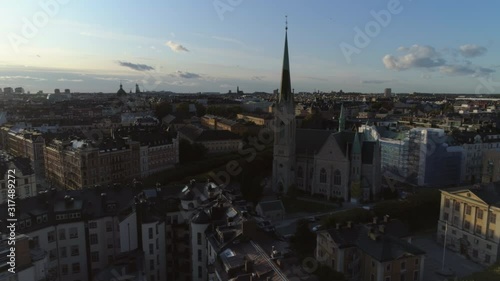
<point x="31" y="263"/>
<point x="25" y="179"/>
<point x="468" y="219"/>
<point x="259" y="119"/>
<point x="25" y="143"/>
<point x="78" y="230"/>
<point x="159" y="148"/>
<point x="78" y="164"/>
<point x="216" y="141"/>
<point x="380" y="251"/>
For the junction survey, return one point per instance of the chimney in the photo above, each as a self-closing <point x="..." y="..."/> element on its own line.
<point x="381" y="228"/>
<point x="337" y="226"/>
<point x="386" y="218"/>
<point x="374" y="220"/>
<point x="349" y="224"/>
<point x="248" y="265"/>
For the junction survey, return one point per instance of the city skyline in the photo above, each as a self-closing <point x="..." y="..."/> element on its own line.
<point x="215" y="46"/>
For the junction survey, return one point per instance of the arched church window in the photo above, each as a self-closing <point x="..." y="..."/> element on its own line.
<point x="300" y="172"/>
<point x="337" y="179"/>
<point x="282" y="130"/>
<point x="322" y="176"/>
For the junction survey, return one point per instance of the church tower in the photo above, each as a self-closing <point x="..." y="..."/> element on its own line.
<point x="284" y="130"/>
<point x="356" y="190"/>
<point x="342" y="119"/>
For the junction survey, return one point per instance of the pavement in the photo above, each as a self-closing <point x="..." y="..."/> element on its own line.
<point x="454" y="262"/>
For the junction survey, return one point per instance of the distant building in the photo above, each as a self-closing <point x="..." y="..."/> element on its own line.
<point x="121" y="91"/>
<point x="8" y="91"/>
<point x="469" y="219"/>
<point x="216" y="141"/>
<point x="67" y="91"/>
<point x="30" y="264"/>
<point x="271" y="210"/>
<point x="19" y="90"/>
<point x="387" y="92"/>
<point x="24" y="177"/>
<point x="57" y="91"/>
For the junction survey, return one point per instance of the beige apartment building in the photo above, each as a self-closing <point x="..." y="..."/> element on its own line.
<point x="468" y="217"/>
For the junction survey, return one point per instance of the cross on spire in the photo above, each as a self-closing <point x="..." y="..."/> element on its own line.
<point x="286" y="22"/>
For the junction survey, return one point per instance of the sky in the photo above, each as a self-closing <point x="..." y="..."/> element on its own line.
<point x="443" y="46"/>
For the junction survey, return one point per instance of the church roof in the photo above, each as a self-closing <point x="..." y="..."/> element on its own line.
<point x="310" y="141"/>
<point x="121" y="92"/>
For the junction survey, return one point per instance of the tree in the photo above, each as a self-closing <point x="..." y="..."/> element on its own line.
<point x="325" y="273"/>
<point x="200" y="109"/>
<point x="182" y="109"/>
<point x="190" y="152"/>
<point x="162" y="109"/>
<point x="304" y="241"/>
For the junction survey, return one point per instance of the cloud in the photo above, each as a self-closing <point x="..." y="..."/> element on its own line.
<point x="227" y="86"/>
<point x="456" y="70"/>
<point x="470" y="50"/>
<point x="374" y="81"/>
<point x="69" y="80"/>
<point x="185" y="75"/>
<point x="258" y="78"/>
<point x="181" y="83"/>
<point x="176" y="47"/>
<point x="416" y="56"/>
<point x="22" y="78"/>
<point x="136" y="66"/>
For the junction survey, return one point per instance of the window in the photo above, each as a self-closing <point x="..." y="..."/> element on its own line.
<point x="445" y="216"/>
<point x="94" y="256"/>
<point x="73" y="233"/>
<point x="151" y="264"/>
<point x="111" y="243"/>
<point x="402" y="278"/>
<point x="63" y="252"/>
<point x="93" y="239"/>
<point x="53" y="254"/>
<point x="92" y="224"/>
<point x="300" y="172"/>
<point x="388" y="278"/>
<point x="488" y="246"/>
<point x="474" y="253"/>
<point x="416" y="261"/>
<point x="151" y="249"/>
<point x="480" y="214"/>
<point x="468" y="209"/>
<point x="75" y="267"/>
<point x="199" y="255"/>
<point x="388" y="267"/>
<point x="64" y="269"/>
<point x="478" y="229"/>
<point x="447" y="203"/>
<point x="27" y="190"/>
<point x="62" y="234"/>
<point x="491" y="233"/>
<point x="403" y="265"/>
<point x="467" y="225"/>
<point x="322" y="176"/>
<point x="51" y="236"/>
<point x="372" y="277"/>
<point x="109" y="226"/>
<point x="150" y="233"/>
<point x="199" y="238"/>
<point x="337" y="180"/>
<point x="200" y="273"/>
<point x="75" y="251"/>
<point x="487" y="258"/>
<point x="493" y="218"/>
<point x="457" y="206"/>
<point x="455" y="220"/>
<point x="415" y="275"/>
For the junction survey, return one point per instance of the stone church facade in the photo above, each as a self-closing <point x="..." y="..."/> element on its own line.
<point x="339" y="164"/>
